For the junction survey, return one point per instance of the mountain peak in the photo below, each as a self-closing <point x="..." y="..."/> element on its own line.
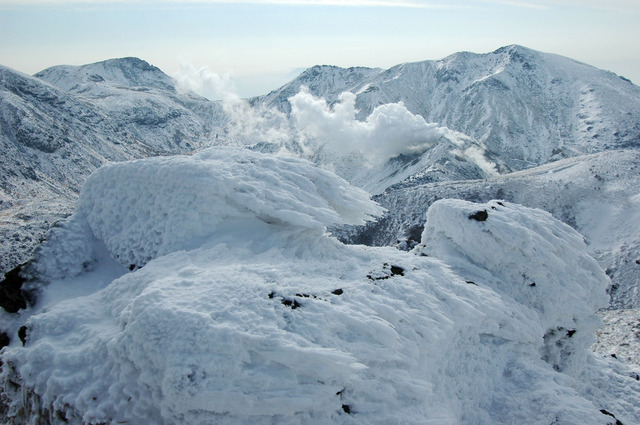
<point x="513" y="48"/>
<point x="128" y="73"/>
<point x="323" y="70"/>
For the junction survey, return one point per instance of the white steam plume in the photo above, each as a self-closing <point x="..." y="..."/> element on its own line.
<point x="203" y="81"/>
<point x="247" y="125"/>
<point x="389" y="131"/>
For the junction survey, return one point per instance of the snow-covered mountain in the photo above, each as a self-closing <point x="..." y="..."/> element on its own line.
<point x="97" y="79"/>
<point x="527" y="107"/>
<point x="206" y="289"/>
<point x="219" y="298"/>
<point x="506" y="110"/>
<point x="53" y="135"/>
<point x="509" y="109"/>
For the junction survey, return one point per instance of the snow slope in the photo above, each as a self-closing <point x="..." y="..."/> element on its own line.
<point x="240" y="308"/>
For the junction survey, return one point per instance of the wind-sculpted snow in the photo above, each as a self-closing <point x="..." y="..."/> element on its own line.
<point x="597" y="195"/>
<point x="532" y="252"/>
<point x="247" y="311"/>
<point x="148" y="208"/>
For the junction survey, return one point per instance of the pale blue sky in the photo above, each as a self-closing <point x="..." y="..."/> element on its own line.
<point x="266" y="43"/>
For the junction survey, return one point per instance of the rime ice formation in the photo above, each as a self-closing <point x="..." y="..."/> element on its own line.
<point x="241" y="308"/>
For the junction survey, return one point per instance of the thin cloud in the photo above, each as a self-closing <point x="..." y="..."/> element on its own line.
<point x="629" y="6"/>
<point x="525" y="4"/>
<point x="345" y="3"/>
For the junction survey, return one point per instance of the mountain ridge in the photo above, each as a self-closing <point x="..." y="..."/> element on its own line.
<point x="505" y="99"/>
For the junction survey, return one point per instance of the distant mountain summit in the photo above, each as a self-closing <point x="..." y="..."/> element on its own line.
<point x="125" y="73"/>
<point x="527" y="107"/>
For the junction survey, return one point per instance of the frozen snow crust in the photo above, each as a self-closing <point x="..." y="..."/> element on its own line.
<point x="528" y="255"/>
<point x="148" y="208"/>
<point x="243" y="310"/>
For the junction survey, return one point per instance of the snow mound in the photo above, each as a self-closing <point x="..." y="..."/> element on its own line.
<point x="148" y="208"/>
<point x="528" y="255"/>
<point x="270" y="320"/>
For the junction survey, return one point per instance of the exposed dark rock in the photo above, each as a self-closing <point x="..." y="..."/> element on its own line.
<point x="471" y="282"/>
<point x="397" y="270"/>
<point x="12" y="296"/>
<point x="22" y="334"/>
<point x="291" y="303"/>
<point x="61" y="416"/>
<point x="414" y="233"/>
<point x="479" y="215"/>
<point x="346" y="408"/>
<point x="570" y="332"/>
<point x="338" y="291"/>
<point x="617" y="422"/>
<point x="95" y="78"/>
<point x="4" y="340"/>
<point x="387" y="272"/>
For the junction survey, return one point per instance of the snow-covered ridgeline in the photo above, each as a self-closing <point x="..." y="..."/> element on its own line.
<point x="58" y="127"/>
<point x="244" y="310"/>
<point x="516" y="107"/>
<point x="526" y="107"/>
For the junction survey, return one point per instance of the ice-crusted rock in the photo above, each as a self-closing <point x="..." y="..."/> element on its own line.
<point x="148" y="208"/>
<point x="595" y="194"/>
<point x="529" y="256"/>
<point x="247" y="311"/>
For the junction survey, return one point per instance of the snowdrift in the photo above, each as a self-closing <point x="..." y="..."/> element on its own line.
<point x="240" y="308"/>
